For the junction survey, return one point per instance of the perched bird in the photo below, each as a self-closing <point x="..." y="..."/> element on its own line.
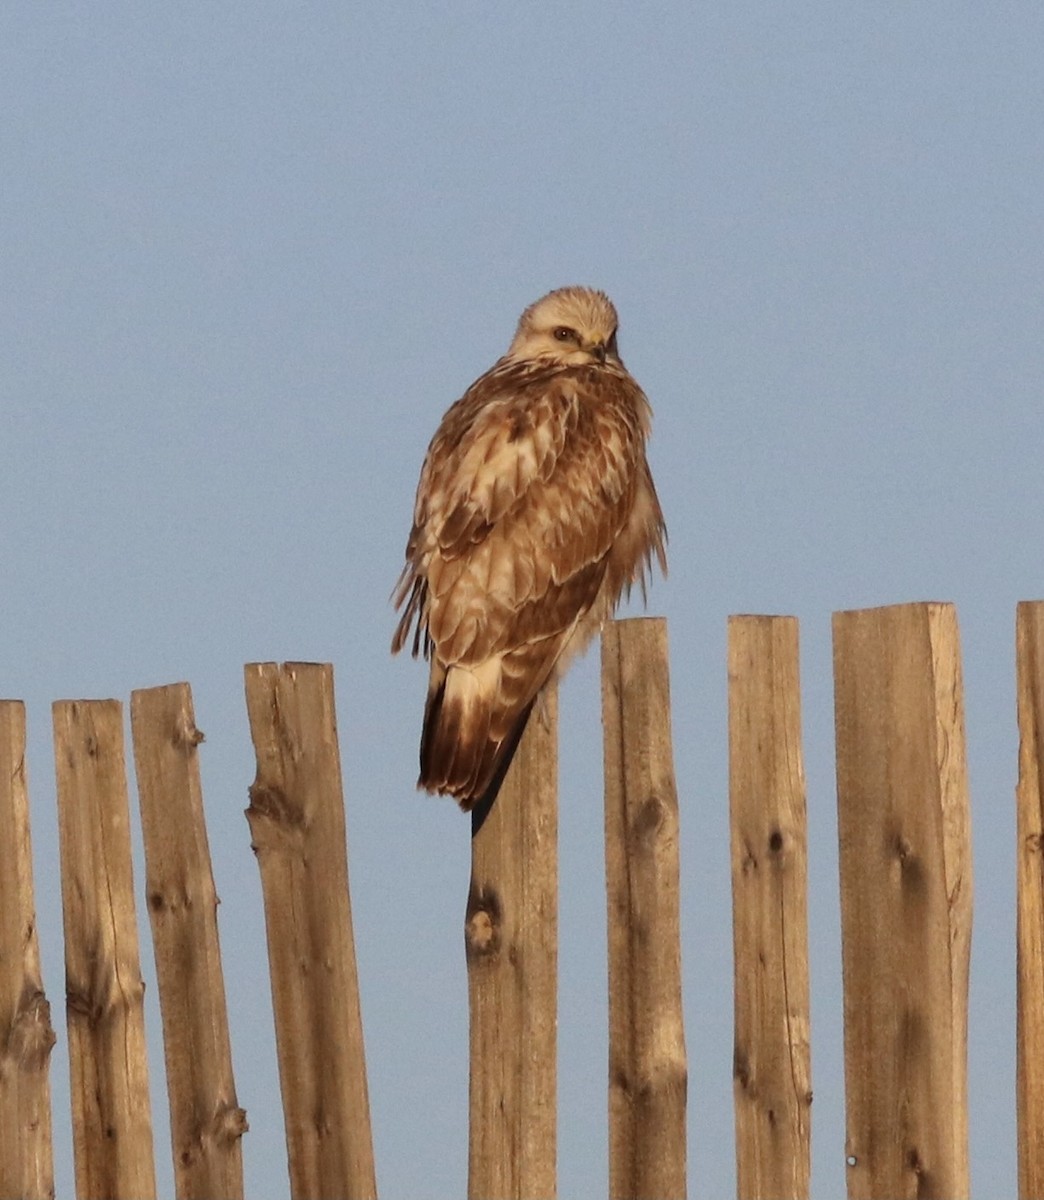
<point x="535" y="512"/>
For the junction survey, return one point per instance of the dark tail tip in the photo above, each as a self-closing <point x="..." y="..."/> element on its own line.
<point x="481" y="804"/>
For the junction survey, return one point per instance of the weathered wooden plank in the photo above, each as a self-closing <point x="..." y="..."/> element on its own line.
<point x="108" y="1064"/>
<point x="297" y="827"/>
<point x="906" y="899"/>
<point x="511" y="943"/>
<point x="647" y="1062"/>
<point x="206" y="1122"/>
<point x="772" y="1064"/>
<point x="1029" y="638"/>
<point x="26" y="1036"/>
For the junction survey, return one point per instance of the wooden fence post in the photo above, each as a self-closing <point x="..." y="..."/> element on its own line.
<point x="511" y="944"/>
<point x="26" y="1036"/>
<point x="771" y="1062"/>
<point x="647" y="1063"/>
<point x="906" y="899"/>
<point x="1029" y="638"/>
<point x="108" y="1062"/>
<point x="297" y="828"/>
<point x="206" y="1122"/>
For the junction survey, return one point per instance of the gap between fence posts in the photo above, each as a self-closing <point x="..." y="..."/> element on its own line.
<point x="297" y="827"/>
<point x="108" y="1062"/>
<point x="1029" y="640"/>
<point x="26" y="1035"/>
<point x="771" y="1058"/>
<point x="206" y="1122"/>
<point x="906" y="899"/>
<point x="511" y="944"/>
<point x="647" y="1063"/>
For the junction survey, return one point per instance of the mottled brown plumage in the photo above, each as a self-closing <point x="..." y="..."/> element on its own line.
<point x="535" y="512"/>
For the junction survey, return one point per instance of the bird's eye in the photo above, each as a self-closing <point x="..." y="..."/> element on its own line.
<point x="563" y="333"/>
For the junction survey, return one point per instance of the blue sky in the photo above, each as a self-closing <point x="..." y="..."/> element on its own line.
<point x="252" y="252"/>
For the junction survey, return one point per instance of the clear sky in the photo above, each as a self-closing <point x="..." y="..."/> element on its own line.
<point x="251" y="252"/>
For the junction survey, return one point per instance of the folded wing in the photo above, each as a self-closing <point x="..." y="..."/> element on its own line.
<point x="535" y="510"/>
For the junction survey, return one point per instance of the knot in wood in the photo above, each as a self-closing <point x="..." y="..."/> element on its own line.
<point x="186" y="735"/>
<point x="481" y="932"/>
<point x="31" y="1037"/>
<point x="483" y="924"/>
<point x="173" y="899"/>
<point x="911" y="870"/>
<point x="190" y="1154"/>
<point x="915" y="1163"/>
<point x="649" y="819"/>
<point x="741" y="1072"/>
<point x="228" y="1124"/>
<point x="268" y="800"/>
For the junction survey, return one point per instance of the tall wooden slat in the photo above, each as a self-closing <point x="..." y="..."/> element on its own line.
<point x="297" y="827"/>
<point x="1029" y="637"/>
<point x="906" y="899"/>
<point x="108" y="1065"/>
<point x="206" y="1122"/>
<point x="771" y="1061"/>
<point x="647" y="1063"/>
<point x="511" y="944"/>
<point x="26" y="1036"/>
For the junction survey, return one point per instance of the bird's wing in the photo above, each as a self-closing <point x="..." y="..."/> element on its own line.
<point x="535" y="509"/>
<point x="526" y="485"/>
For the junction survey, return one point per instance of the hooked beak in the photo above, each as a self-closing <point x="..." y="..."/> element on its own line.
<point x="597" y="351"/>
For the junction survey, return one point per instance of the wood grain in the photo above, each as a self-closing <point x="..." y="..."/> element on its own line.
<point x="906" y="899"/>
<point x="648" y="1072"/>
<point x="26" y="1036"/>
<point x="1029" y="640"/>
<point x="112" y="1122"/>
<point x="297" y="827"/>
<point x="206" y="1122"/>
<point x="771" y="1058"/>
<point x="511" y="942"/>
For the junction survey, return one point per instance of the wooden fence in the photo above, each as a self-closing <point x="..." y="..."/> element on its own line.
<point x="906" y="903"/>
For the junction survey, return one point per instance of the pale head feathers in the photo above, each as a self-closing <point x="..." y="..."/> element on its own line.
<point x="573" y="326"/>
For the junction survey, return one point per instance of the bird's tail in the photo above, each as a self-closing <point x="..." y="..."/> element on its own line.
<point x="469" y="738"/>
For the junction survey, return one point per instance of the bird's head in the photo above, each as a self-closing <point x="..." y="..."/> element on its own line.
<point x="572" y="326"/>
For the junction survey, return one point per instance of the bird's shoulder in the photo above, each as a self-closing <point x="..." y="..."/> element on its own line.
<point x="527" y="439"/>
<point x="511" y="396"/>
<point x="523" y="411"/>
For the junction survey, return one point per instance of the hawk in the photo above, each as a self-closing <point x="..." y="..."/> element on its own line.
<point x="535" y="512"/>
